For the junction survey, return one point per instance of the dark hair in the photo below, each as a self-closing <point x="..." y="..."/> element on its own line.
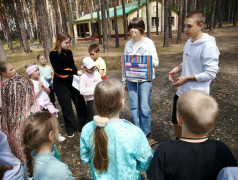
<point x="3" y="66"/>
<point x="108" y="97"/>
<point x="60" y="38"/>
<point x="35" y="133"/>
<point x="93" y="47"/>
<point x="137" y="23"/>
<point x="197" y="16"/>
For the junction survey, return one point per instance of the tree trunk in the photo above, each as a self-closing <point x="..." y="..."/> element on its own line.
<point x="235" y="13"/>
<point x="138" y="9"/>
<point x="108" y="21"/>
<point x="170" y="19"/>
<point x="180" y="22"/>
<point x="162" y="17"/>
<point x="115" y="25"/>
<point x="2" y="52"/>
<point x="99" y="25"/>
<point x="166" y="29"/>
<point x="199" y="5"/>
<point x="17" y="26"/>
<point x="70" y="20"/>
<point x="221" y="13"/>
<point x="157" y="17"/>
<point x="229" y="11"/>
<point x="43" y="27"/>
<point x="189" y="6"/>
<point x="105" y="42"/>
<point x="212" y="16"/>
<point x="148" y="18"/>
<point x="63" y="16"/>
<point x="217" y="15"/>
<point x="5" y="27"/>
<point x="184" y="12"/>
<point x="57" y="17"/>
<point x="92" y="25"/>
<point x="27" y="19"/>
<point x="232" y="10"/>
<point x="77" y="9"/>
<point x="19" y="16"/>
<point x="124" y="19"/>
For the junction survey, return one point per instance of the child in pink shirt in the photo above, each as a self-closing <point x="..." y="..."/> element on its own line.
<point x="88" y="81"/>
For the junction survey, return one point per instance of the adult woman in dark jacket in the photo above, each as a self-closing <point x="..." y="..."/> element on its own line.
<point x="62" y="61"/>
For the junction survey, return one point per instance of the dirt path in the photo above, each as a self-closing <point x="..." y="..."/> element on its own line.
<point x="224" y="89"/>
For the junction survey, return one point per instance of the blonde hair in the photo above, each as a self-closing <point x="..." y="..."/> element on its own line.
<point x="60" y="38"/>
<point x="108" y="96"/>
<point x="198" y="110"/>
<point x="35" y="133"/>
<point x="197" y="16"/>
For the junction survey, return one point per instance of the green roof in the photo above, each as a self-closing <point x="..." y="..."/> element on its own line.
<point x="128" y="8"/>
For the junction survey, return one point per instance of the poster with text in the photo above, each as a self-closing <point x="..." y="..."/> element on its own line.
<point x="137" y="67"/>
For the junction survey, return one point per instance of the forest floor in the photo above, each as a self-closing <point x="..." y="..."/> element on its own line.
<point x="224" y="89"/>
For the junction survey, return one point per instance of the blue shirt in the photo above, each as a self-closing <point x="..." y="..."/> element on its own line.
<point x="8" y="159"/>
<point x="128" y="150"/>
<point x="47" y="167"/>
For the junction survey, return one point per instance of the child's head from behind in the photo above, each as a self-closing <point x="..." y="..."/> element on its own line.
<point x="32" y="70"/>
<point x="89" y="65"/>
<point x="108" y="98"/>
<point x="94" y="51"/>
<point x="38" y="130"/>
<point x="193" y="24"/>
<point x="198" y="111"/>
<point x="42" y="60"/>
<point x="17" y="98"/>
<point x="7" y="70"/>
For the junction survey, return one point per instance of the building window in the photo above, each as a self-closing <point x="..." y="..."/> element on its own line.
<point x="154" y="22"/>
<point x="172" y="21"/>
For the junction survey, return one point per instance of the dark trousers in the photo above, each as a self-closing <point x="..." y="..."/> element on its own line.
<point x="52" y="91"/>
<point x="66" y="94"/>
<point x="90" y="110"/>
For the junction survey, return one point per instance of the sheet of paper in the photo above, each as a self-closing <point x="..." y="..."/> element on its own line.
<point x="75" y="82"/>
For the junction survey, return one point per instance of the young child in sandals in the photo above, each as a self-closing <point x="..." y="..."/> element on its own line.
<point x="116" y="148"/>
<point x="41" y="89"/>
<point x="39" y="134"/>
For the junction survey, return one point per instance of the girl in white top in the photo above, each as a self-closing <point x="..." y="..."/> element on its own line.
<point x="41" y="89"/>
<point x="139" y="91"/>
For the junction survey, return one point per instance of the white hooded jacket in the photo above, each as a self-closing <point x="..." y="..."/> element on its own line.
<point x="200" y="59"/>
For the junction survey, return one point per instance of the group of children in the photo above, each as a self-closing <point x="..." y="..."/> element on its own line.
<point x="116" y="148"/>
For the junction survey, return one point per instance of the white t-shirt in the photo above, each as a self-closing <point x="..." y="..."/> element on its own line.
<point x="43" y="95"/>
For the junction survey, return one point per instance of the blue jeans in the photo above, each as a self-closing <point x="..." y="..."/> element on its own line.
<point x="139" y="99"/>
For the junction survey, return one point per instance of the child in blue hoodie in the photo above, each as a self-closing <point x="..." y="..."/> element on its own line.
<point x="200" y="62"/>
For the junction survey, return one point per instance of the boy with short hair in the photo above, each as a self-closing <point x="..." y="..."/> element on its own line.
<point x="100" y="63"/>
<point x="88" y="81"/>
<point x="200" y="62"/>
<point x="193" y="156"/>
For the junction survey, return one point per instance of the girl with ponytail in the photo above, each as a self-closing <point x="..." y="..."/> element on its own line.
<point x="39" y="133"/>
<point x="116" y="148"/>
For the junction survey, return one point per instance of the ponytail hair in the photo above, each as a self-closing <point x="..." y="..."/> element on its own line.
<point x="108" y="96"/>
<point x="35" y="133"/>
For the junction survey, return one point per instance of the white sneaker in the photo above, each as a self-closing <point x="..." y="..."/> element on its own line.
<point x="61" y="138"/>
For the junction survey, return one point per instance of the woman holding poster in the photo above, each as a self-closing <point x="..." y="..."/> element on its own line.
<point x="139" y="90"/>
